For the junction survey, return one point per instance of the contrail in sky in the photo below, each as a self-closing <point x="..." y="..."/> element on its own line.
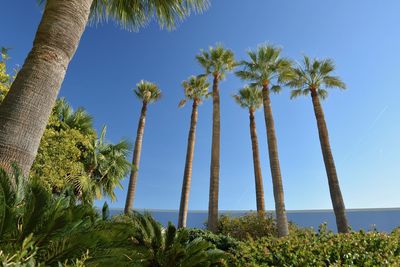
<point x="377" y="118"/>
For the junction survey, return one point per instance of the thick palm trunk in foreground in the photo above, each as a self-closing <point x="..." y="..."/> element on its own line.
<point x="215" y="156"/>
<point x="187" y="176"/>
<point x="26" y="109"/>
<point x="281" y="217"/>
<point x="333" y="181"/>
<point x="257" y="165"/>
<point x="136" y="160"/>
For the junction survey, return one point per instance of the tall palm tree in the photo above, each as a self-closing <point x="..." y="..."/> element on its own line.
<point x="26" y="109"/>
<point x="314" y="77"/>
<point x="216" y="62"/>
<point x="264" y="68"/>
<point x="196" y="90"/>
<point x="149" y="93"/>
<point x="251" y="98"/>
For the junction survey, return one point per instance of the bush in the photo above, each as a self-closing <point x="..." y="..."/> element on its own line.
<point x="251" y="226"/>
<point x="220" y="241"/>
<point x="321" y="249"/>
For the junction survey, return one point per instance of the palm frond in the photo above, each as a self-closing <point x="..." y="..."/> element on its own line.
<point x="313" y="74"/>
<point x="134" y="14"/>
<point x="148" y="92"/>
<point x="217" y="60"/>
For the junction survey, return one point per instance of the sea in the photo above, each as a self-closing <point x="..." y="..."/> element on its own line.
<point x="381" y="219"/>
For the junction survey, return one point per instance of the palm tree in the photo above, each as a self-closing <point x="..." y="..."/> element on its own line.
<point x="106" y="164"/>
<point x="26" y="109"/>
<point x="314" y="77"/>
<point x="216" y="61"/>
<point x="265" y="67"/>
<point x="196" y="90"/>
<point x="73" y="119"/>
<point x="251" y="98"/>
<point x="149" y="93"/>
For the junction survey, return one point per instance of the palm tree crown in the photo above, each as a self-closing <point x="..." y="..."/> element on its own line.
<point x="148" y="92"/>
<point x="217" y="61"/>
<point x="264" y="65"/>
<point x="107" y="164"/>
<point x="314" y="75"/>
<point x="71" y="119"/>
<point x="196" y="89"/>
<point x="132" y="15"/>
<point x="249" y="97"/>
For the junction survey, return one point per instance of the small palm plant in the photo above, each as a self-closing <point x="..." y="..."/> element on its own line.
<point x="266" y="69"/>
<point x="217" y="61"/>
<point x="313" y="78"/>
<point x="106" y="165"/>
<point x="51" y="229"/>
<point x="196" y="90"/>
<point x="250" y="97"/>
<point x="148" y="93"/>
<point x="157" y="247"/>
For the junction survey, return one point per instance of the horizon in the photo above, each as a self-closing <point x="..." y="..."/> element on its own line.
<point x="361" y="120"/>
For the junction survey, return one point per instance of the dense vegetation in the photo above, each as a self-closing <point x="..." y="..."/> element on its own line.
<point x="47" y="217"/>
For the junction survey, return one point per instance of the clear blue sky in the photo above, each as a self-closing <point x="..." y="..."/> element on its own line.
<point x="362" y="36"/>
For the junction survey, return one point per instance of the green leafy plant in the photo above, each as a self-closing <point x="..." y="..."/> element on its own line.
<point x="155" y="246"/>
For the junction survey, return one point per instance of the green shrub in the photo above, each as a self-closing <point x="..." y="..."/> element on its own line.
<point x="321" y="249"/>
<point x="251" y="226"/>
<point x="220" y="241"/>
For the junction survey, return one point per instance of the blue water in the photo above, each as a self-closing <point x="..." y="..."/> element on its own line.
<point x="381" y="219"/>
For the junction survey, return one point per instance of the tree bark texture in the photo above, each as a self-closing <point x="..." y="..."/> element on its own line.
<point x="215" y="158"/>
<point x="257" y="166"/>
<point x="281" y="218"/>
<point x="25" y="111"/>
<point x="136" y="160"/>
<point x="333" y="181"/>
<point x="187" y="176"/>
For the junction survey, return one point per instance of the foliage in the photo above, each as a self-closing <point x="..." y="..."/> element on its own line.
<point x="250" y="226"/>
<point x="71" y="155"/>
<point x="154" y="246"/>
<point x="220" y="241"/>
<point x="133" y="15"/>
<point x="148" y="92"/>
<point x="195" y="88"/>
<point x="321" y="249"/>
<point x="313" y="74"/>
<point x="217" y="61"/>
<point x="5" y="78"/>
<point x="249" y="97"/>
<point x="265" y="66"/>
<point x="106" y="164"/>
<point x="37" y="228"/>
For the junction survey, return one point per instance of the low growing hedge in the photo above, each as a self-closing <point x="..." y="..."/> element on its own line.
<point x="320" y="249"/>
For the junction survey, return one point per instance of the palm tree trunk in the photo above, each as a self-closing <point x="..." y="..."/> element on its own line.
<point x="187" y="176"/>
<point x="281" y="218"/>
<point x="25" y="111"/>
<point x="333" y="181"/>
<point x="257" y="165"/>
<point x="215" y="157"/>
<point x="136" y="160"/>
